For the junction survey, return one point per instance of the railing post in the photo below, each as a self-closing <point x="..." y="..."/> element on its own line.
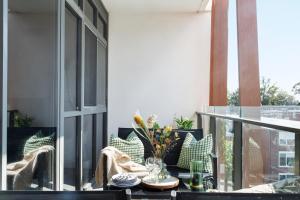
<point x="199" y="121"/>
<point x="212" y="130"/>
<point x="237" y="158"/>
<point x="297" y="154"/>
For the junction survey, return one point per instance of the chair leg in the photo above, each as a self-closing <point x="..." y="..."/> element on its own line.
<point x="128" y="194"/>
<point x="173" y="195"/>
<point x="105" y="181"/>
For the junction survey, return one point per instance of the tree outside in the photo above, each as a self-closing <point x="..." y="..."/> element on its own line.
<point x="270" y="94"/>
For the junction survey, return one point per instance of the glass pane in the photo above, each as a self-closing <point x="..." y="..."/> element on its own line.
<point x="89" y="11"/>
<point x="102" y="74"/>
<point x="224" y="151"/>
<point x="265" y="160"/>
<point x="101" y="26"/>
<point x="87" y="149"/>
<point x="32" y="95"/>
<point x="71" y="61"/>
<point x="70" y="153"/>
<point x="99" y="135"/>
<point x="90" y="68"/>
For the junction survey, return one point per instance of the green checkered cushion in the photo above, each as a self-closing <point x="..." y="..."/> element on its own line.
<point x="132" y="146"/>
<point x="38" y="140"/>
<point x="196" y="150"/>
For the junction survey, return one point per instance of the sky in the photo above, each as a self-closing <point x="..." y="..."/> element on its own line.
<point x="278" y="24"/>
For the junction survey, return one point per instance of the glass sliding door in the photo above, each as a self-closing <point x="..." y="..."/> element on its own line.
<point x="90" y="68"/>
<point x="71" y="134"/>
<point x="3" y="91"/>
<point x="32" y="97"/>
<point x="53" y="89"/>
<point x="72" y="61"/>
<point x="87" y="144"/>
<point x="84" y="93"/>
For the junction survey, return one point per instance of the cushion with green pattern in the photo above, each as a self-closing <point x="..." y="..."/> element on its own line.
<point x="132" y="146"/>
<point x="38" y="140"/>
<point x="196" y="150"/>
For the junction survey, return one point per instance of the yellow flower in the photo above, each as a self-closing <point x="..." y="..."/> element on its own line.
<point x="167" y="141"/>
<point x="168" y="129"/>
<point x="157" y="147"/>
<point x="138" y="119"/>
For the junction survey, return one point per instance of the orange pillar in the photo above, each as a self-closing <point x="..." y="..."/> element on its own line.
<point x="248" y="53"/>
<point x="218" y="54"/>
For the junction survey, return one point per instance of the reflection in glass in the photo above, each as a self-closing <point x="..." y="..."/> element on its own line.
<point x="70" y="141"/>
<point x="89" y="11"/>
<point x="99" y="135"/>
<point x="87" y="151"/>
<point x="101" y="26"/>
<point x="266" y="156"/>
<point x="90" y="68"/>
<point x="32" y="95"/>
<point x="71" y="61"/>
<point x="102" y="75"/>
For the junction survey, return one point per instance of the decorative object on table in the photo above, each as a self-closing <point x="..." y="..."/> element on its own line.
<point x="165" y="184"/>
<point x="162" y="140"/>
<point x="154" y="166"/>
<point x="196" y="175"/>
<point x="124" y="180"/>
<point x="132" y="146"/>
<point x="184" y="123"/>
<point x="196" y="150"/>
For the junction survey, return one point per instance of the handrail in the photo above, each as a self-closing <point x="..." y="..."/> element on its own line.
<point x="279" y="124"/>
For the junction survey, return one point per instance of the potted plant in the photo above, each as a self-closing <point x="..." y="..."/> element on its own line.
<point x="184" y="123"/>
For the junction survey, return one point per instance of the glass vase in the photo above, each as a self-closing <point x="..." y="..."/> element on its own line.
<point x="196" y="169"/>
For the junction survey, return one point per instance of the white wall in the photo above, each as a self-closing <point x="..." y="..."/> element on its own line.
<point x="158" y="63"/>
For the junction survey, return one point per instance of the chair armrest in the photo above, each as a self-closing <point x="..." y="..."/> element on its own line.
<point x="44" y="161"/>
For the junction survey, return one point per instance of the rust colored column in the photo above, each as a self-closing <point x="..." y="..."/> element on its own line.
<point x="218" y="54"/>
<point x="248" y="53"/>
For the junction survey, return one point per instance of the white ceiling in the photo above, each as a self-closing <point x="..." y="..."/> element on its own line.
<point x="144" y="6"/>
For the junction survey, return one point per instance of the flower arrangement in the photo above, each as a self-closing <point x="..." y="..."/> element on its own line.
<point x="162" y="139"/>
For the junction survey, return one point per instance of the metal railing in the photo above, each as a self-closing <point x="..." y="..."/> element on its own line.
<point x="238" y="122"/>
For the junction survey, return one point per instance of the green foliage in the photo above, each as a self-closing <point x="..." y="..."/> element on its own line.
<point x="270" y="94"/>
<point x="296" y="88"/>
<point x="233" y="98"/>
<point x="184" y="123"/>
<point x="228" y="158"/>
<point x="21" y="120"/>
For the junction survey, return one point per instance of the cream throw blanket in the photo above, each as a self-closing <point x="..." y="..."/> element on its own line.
<point x="22" y="171"/>
<point x="117" y="162"/>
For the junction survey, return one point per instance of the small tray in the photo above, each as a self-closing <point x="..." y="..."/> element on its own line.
<point x="168" y="183"/>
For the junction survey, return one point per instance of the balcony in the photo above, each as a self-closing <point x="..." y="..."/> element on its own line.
<point x="74" y="72"/>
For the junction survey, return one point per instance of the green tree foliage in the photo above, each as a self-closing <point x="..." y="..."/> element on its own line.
<point x="270" y="94"/>
<point x="296" y="88"/>
<point x="233" y="98"/>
